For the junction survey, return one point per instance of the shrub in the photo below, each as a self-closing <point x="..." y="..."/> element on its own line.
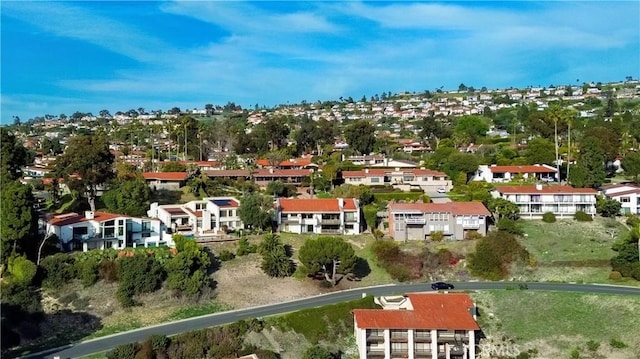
<point x="509" y="225"/>
<point x="633" y="221"/>
<point x="618" y="344"/>
<point x="548" y="217"/>
<point x="473" y="235"/>
<point x="137" y="274"/>
<point x="244" y="247"/>
<point x="615" y="275"/>
<point x="124" y="351"/>
<point x="575" y="353"/>
<point x="226" y="255"/>
<point x="108" y="270"/>
<point x="22" y="270"/>
<point x="436" y="236"/>
<point x="57" y="270"/>
<point x="593" y="346"/>
<point x="581" y="216"/>
<point x="494" y="253"/>
<point x="159" y="343"/>
<point x="88" y="270"/>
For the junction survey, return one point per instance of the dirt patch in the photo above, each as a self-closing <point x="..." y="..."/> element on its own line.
<point x="241" y="283"/>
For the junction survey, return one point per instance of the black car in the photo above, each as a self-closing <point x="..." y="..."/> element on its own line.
<point x="441" y="285"/>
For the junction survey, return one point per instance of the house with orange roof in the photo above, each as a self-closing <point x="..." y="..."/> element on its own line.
<point x="294" y="163"/>
<point x="405" y="179"/>
<point x="102" y="230"/>
<point x="455" y="220"/>
<point x="495" y="173"/>
<point x="200" y="218"/>
<point x="262" y="176"/>
<point x="318" y="215"/>
<point x="172" y="181"/>
<point x="535" y="200"/>
<point x="417" y="326"/>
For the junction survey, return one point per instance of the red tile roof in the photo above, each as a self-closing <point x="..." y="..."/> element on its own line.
<point x="228" y="173"/>
<point x="521" y="169"/>
<point x="165" y="176"/>
<point x="73" y="218"/>
<point x="296" y="162"/>
<point x="315" y="205"/>
<point x="446" y="311"/>
<point x="546" y="189"/>
<point x="265" y="172"/>
<point x="455" y="208"/>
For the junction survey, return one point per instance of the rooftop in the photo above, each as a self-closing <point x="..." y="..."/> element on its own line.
<point x="446" y="311"/>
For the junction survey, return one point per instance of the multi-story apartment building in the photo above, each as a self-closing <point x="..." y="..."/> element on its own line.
<point x="418" y="326"/>
<point x="456" y="220"/>
<point x="627" y="194"/>
<point x="494" y="173"/>
<point x="318" y="215"/>
<point x="100" y="230"/>
<point x="535" y="200"/>
<point x="404" y="179"/>
<point x="208" y="216"/>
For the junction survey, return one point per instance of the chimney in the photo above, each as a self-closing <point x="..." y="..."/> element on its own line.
<point x="538" y="187"/>
<point x="89" y="215"/>
<point x="270" y="170"/>
<point x="397" y="169"/>
<point x="341" y="202"/>
<point x="366" y="170"/>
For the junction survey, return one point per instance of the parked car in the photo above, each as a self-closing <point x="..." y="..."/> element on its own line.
<point x="441" y="190"/>
<point x="441" y="285"/>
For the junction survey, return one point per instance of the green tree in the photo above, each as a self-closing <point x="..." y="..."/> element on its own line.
<point x="187" y="270"/>
<point x="137" y="274"/>
<point x="21" y="271"/>
<point x="18" y="220"/>
<point x="631" y="165"/>
<point x="539" y="151"/>
<point x="608" y="139"/>
<point x="608" y="207"/>
<point x="129" y="197"/>
<point x="173" y="167"/>
<point x="13" y="156"/>
<point x="458" y="162"/>
<point x="471" y="127"/>
<point x="502" y="208"/>
<point x="319" y="352"/>
<point x="592" y="159"/>
<point x="256" y="211"/>
<point x="360" y="136"/>
<point x="494" y="253"/>
<point x="86" y="164"/>
<point x="277" y="263"/>
<point x="327" y="256"/>
<point x="371" y="216"/>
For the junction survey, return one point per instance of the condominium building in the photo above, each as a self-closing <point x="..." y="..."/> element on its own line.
<point x="318" y="215"/>
<point x="403" y="178"/>
<point x="535" y="200"/>
<point x="418" y="326"/>
<point x="495" y="173"/>
<point x="208" y="216"/>
<point x="455" y="220"/>
<point x="101" y="230"/>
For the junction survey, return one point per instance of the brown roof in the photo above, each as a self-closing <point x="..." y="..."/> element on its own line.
<point x="315" y="205"/>
<point x="265" y="172"/>
<point x="165" y="176"/>
<point x="455" y="208"/>
<point x="227" y="173"/>
<point x="447" y="311"/>
<point x="546" y="189"/>
<point x="73" y="218"/>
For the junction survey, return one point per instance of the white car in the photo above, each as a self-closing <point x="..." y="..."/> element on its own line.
<point x="441" y="190"/>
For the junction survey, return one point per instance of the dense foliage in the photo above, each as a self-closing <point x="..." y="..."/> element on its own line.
<point x="276" y="259"/>
<point x="400" y="265"/>
<point x="494" y="254"/>
<point x="327" y="256"/>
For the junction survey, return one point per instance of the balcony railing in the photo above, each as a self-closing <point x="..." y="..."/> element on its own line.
<point x="400" y="353"/>
<point x="422" y="337"/>
<point x="289" y="220"/>
<point x="471" y="225"/>
<point x="375" y="337"/>
<point x="330" y="231"/>
<point x="330" y="221"/>
<point x="375" y="353"/>
<point x="399" y="337"/>
<point x="415" y="220"/>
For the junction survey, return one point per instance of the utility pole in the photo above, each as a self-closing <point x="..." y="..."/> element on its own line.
<point x="568" y="149"/>
<point x="185" y="143"/>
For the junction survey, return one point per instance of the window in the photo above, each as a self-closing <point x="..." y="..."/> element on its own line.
<point x="307" y="216"/>
<point x="625" y="199"/>
<point x="375" y="179"/>
<point x="223" y="213"/>
<point x="350" y="216"/>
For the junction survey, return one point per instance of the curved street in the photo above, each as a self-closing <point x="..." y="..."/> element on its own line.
<point x="173" y="328"/>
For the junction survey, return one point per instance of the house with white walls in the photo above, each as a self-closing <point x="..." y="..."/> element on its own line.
<point x="535" y="200"/>
<point x="318" y="215"/>
<point x="626" y="193"/>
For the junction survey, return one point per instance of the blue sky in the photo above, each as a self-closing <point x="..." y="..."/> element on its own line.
<point x="62" y="57"/>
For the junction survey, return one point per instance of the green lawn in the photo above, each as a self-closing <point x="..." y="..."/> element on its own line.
<point x="560" y="319"/>
<point x="569" y="240"/>
<point x="323" y="323"/>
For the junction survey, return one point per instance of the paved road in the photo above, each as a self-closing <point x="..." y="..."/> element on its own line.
<point x="172" y="328"/>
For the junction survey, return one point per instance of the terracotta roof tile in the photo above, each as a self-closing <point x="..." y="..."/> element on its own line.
<point x="165" y="176"/>
<point x="446" y="311"/>
<point x="73" y="218"/>
<point x="315" y="205"/>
